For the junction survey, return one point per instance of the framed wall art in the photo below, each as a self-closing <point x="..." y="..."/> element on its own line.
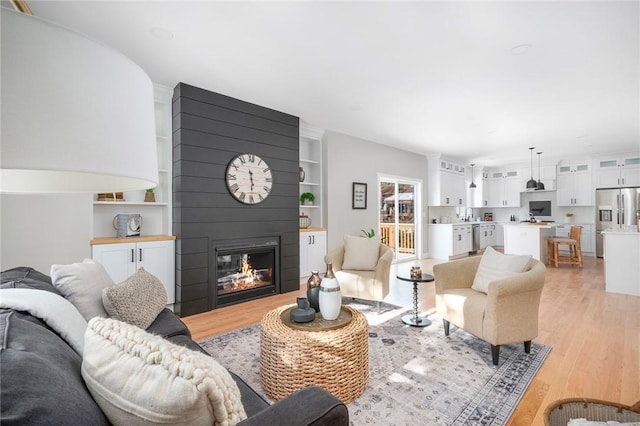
<point x="359" y="196"/>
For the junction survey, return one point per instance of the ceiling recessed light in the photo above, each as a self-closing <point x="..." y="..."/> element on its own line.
<point x="161" y="33"/>
<point x="521" y="49"/>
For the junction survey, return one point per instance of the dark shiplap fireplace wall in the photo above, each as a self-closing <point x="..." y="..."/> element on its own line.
<point x="209" y="130"/>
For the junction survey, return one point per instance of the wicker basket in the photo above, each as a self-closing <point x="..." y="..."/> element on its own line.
<point x="305" y="221"/>
<point x="560" y="412"/>
<point x="336" y="360"/>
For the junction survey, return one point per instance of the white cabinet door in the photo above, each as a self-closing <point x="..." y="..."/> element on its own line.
<point x="582" y="189"/>
<point x="118" y="259"/>
<point x="313" y="249"/>
<point x="123" y="259"/>
<point x="157" y="258"/>
<point x="512" y="189"/>
<point x="574" y="187"/>
<point x="630" y="176"/>
<point x="564" y="192"/>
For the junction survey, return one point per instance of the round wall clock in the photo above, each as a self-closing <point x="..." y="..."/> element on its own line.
<point x="249" y="178"/>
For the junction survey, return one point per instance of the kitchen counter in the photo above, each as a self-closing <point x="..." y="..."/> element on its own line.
<point x="621" y="266"/>
<point x="528" y="238"/>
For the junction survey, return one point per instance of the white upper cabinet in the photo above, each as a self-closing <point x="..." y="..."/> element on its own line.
<point x="503" y="188"/>
<point x="618" y="171"/>
<point x="574" y="184"/>
<point x="446" y="183"/>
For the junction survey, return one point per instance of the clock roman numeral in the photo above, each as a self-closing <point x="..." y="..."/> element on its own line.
<point x="251" y="200"/>
<point x="234" y="188"/>
<point x="252" y="158"/>
<point x="267" y="189"/>
<point x="265" y="170"/>
<point x="268" y="179"/>
<point x="242" y="196"/>
<point x="261" y="197"/>
<point x="242" y="160"/>
<point x="231" y="177"/>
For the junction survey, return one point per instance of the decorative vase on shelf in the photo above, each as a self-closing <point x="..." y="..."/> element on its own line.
<point x="302" y="174"/>
<point x="330" y="299"/>
<point x="313" y="290"/>
<point x="149" y="197"/>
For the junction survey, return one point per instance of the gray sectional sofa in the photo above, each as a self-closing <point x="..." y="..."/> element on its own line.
<point x="41" y="381"/>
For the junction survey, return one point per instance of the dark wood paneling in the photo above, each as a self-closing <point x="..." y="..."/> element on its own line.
<point x="209" y="130"/>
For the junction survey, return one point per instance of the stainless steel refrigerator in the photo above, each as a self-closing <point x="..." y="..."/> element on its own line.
<point x="616" y="209"/>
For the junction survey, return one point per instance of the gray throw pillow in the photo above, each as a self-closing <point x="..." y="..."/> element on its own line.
<point x="137" y="300"/>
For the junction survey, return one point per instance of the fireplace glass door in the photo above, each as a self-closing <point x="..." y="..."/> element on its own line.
<point x="244" y="270"/>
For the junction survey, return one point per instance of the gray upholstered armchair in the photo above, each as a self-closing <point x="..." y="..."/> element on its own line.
<point x="371" y="284"/>
<point x="506" y="313"/>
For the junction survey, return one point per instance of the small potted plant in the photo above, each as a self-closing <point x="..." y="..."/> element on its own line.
<point x="307" y="198"/>
<point x="149" y="196"/>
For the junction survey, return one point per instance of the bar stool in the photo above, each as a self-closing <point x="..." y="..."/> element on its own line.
<point x="575" y="250"/>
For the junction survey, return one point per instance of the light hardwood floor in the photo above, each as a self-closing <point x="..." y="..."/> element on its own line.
<point x="594" y="335"/>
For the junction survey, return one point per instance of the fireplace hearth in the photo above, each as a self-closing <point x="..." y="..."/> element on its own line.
<point x="245" y="269"/>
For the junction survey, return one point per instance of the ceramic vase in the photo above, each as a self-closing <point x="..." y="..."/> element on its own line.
<point x="313" y="290"/>
<point x="330" y="299"/>
<point x="302" y="174"/>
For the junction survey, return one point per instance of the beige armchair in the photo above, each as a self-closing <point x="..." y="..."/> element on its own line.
<point x="507" y="313"/>
<point x="367" y="285"/>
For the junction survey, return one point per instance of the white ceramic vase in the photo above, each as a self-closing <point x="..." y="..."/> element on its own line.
<point x="330" y="298"/>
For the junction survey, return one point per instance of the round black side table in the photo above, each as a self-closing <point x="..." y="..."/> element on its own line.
<point x="413" y="319"/>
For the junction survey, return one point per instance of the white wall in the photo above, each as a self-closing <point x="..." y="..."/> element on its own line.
<point x="349" y="160"/>
<point x="40" y="230"/>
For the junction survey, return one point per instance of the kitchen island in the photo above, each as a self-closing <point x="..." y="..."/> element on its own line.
<point x="528" y="238"/>
<point x="622" y="262"/>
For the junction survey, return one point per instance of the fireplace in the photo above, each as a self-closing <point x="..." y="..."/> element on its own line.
<point x="245" y="269"/>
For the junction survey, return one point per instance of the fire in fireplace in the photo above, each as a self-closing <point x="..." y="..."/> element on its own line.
<point x="245" y="269"/>
<point x="237" y="273"/>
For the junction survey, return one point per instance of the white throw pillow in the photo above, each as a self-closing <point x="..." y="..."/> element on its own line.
<point x="360" y="254"/>
<point x="495" y="265"/>
<point x="138" y="378"/>
<point x="137" y="300"/>
<point x="82" y="285"/>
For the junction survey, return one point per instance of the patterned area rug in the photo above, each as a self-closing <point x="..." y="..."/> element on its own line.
<point x="418" y="376"/>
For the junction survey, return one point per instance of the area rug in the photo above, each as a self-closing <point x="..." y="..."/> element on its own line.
<point x="418" y="376"/>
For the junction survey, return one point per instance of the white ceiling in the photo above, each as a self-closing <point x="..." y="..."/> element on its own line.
<point x="428" y="77"/>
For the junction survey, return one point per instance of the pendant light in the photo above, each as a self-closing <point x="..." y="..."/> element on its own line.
<point x="531" y="183"/>
<point x="472" y="185"/>
<point x="540" y="184"/>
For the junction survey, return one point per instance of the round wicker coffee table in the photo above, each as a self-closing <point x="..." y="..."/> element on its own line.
<point x="337" y="360"/>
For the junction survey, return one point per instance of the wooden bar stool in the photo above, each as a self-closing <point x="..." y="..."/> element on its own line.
<point x="575" y="250"/>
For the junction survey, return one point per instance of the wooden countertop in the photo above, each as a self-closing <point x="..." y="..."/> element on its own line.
<point x="312" y="229"/>
<point x="141" y="239"/>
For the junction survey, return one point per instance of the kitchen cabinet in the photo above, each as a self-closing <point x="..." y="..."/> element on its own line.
<point x="618" y="171"/>
<point x="574" y="187"/>
<point x="527" y="239"/>
<point x="156" y="254"/>
<point x="621" y="266"/>
<point x="313" y="249"/>
<point x="487" y="235"/>
<point x="450" y="241"/>
<point x="499" y="234"/>
<point x="504" y="188"/>
<point x="447" y="185"/>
